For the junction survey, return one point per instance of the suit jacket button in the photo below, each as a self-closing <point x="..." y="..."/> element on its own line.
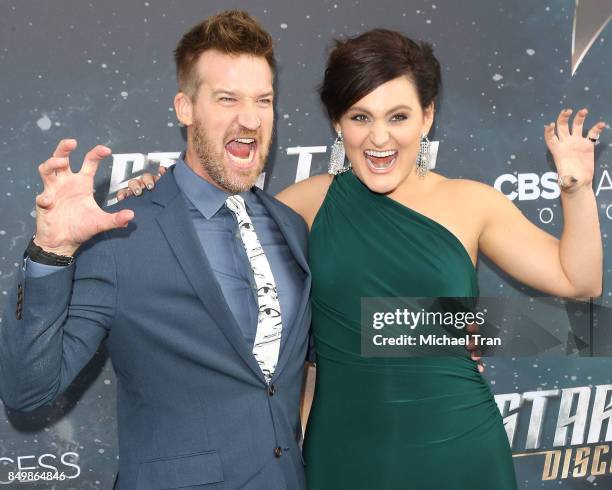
<point x="278" y="452"/>
<point x="271" y="390"/>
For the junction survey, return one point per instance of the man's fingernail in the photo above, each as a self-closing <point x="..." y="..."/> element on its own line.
<point x="150" y="186"/>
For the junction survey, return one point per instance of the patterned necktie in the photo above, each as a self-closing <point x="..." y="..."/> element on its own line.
<point x="269" y="324"/>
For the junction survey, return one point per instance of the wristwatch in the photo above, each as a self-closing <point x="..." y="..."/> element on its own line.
<point x="37" y="254"/>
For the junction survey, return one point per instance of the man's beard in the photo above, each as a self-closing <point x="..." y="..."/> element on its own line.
<point x="212" y="161"/>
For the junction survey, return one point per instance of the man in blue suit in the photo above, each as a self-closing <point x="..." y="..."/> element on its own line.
<point x="200" y="289"/>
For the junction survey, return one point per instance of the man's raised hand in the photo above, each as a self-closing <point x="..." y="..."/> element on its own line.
<point x="66" y="213"/>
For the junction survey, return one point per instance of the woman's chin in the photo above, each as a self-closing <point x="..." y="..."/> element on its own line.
<point x="381" y="184"/>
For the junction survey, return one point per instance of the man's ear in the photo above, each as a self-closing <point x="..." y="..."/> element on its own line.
<point x="183" y="107"/>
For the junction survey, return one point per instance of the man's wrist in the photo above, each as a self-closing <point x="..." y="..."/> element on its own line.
<point x="57" y="257"/>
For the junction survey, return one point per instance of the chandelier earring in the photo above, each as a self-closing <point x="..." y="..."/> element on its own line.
<point x="422" y="161"/>
<point x="338" y="156"/>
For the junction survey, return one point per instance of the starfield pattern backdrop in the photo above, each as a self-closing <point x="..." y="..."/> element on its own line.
<point x="102" y="72"/>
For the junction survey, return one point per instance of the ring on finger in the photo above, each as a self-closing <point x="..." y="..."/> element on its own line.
<point x="594" y="140"/>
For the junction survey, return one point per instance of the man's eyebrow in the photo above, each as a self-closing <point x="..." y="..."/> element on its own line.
<point x="224" y="92"/>
<point x="235" y="94"/>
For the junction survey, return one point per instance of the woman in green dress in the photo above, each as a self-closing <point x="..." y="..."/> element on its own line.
<point x="388" y="227"/>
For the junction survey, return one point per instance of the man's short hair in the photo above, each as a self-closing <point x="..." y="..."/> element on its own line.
<point x="232" y="32"/>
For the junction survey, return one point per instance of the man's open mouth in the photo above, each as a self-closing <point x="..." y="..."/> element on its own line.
<point x="241" y="150"/>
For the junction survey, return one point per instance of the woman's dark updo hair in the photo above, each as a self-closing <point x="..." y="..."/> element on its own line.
<point x="359" y="65"/>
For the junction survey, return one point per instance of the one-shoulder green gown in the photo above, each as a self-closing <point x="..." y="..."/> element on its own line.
<point x="415" y="423"/>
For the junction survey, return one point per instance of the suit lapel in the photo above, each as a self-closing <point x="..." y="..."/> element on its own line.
<point x="177" y="227"/>
<point x="288" y="232"/>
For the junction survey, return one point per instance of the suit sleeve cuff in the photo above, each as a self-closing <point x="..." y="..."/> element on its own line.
<point x="35" y="270"/>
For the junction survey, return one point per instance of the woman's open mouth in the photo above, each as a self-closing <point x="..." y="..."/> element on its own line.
<point x="380" y="161"/>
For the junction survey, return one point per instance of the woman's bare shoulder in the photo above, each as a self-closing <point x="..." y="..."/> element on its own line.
<point x="467" y="188"/>
<point x="477" y="198"/>
<point x="306" y="197"/>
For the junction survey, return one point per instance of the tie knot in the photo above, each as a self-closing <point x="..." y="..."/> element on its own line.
<point x="235" y="204"/>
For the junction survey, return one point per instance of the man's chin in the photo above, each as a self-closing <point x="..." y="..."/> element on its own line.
<point x="237" y="182"/>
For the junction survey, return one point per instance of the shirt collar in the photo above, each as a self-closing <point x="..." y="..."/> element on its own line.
<point x="206" y="197"/>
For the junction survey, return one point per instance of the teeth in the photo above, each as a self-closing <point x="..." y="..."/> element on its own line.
<point x="245" y="140"/>
<point x="380" y="154"/>
<point x="241" y="161"/>
<point x="381" y="167"/>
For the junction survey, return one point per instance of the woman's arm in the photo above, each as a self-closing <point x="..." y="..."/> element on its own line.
<point x="573" y="265"/>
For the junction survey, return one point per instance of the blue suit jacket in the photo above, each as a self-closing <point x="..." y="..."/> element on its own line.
<point x="194" y="410"/>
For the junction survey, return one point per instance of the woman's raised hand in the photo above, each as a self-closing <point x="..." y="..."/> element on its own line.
<point x="574" y="154"/>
